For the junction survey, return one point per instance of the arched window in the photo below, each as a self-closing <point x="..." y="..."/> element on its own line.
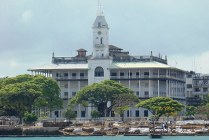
<point x="99" y="72"/>
<point x="101" y="40"/>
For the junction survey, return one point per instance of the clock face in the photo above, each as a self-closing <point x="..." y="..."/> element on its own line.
<point x="99" y="32"/>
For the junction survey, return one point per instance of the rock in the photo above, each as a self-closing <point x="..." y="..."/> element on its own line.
<point x="88" y="130"/>
<point x="68" y="129"/>
<point x="78" y="124"/>
<point x="76" y="130"/>
<point x="107" y="129"/>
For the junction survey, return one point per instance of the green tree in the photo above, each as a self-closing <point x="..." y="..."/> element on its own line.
<point x="70" y="114"/>
<point x="22" y="93"/>
<point x="205" y="99"/>
<point x="95" y="114"/>
<point x="159" y="106"/>
<point x="99" y="94"/>
<point x="123" y="102"/>
<point x="50" y="96"/>
<point x="18" y="98"/>
<point x="29" y="118"/>
<point x="190" y="111"/>
<point x="203" y="110"/>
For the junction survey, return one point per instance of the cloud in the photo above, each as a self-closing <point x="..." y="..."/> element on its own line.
<point x="13" y="64"/>
<point x="203" y="62"/>
<point x="26" y="16"/>
<point x="197" y="63"/>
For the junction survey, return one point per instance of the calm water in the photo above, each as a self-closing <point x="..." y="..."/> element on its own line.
<point x="109" y="138"/>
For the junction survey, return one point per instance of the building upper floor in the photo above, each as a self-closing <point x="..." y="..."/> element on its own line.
<point x="115" y="53"/>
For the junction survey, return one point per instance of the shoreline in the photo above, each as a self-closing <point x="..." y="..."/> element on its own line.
<point x="107" y="128"/>
<point x="125" y="135"/>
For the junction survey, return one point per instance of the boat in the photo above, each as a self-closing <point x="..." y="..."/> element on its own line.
<point x="155" y="135"/>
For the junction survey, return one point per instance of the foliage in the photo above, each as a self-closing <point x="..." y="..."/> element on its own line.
<point x="70" y="114"/>
<point x="99" y="94"/>
<point x="95" y="114"/>
<point x="50" y="96"/>
<point x="18" y="98"/>
<point x="159" y="106"/>
<point x="190" y="111"/>
<point x="205" y="99"/>
<point x="203" y="110"/>
<point x="29" y="118"/>
<point x="123" y="101"/>
<point x="22" y="93"/>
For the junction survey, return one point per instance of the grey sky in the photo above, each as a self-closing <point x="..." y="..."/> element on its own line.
<point x="30" y="30"/>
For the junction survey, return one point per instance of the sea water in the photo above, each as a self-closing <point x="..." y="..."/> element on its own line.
<point x="108" y="138"/>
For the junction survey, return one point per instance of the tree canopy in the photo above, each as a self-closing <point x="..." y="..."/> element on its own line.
<point x="203" y="110"/>
<point x="123" y="102"/>
<point x="190" y="111"/>
<point x="22" y="93"/>
<point x="100" y="95"/>
<point x="159" y="106"/>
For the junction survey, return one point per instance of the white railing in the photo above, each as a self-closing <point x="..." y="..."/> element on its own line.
<point x="146" y="76"/>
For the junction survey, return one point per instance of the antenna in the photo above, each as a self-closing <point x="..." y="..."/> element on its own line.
<point x="100" y="12"/>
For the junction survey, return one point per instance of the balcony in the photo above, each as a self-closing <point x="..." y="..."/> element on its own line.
<point x="145" y="77"/>
<point x="99" y="45"/>
<point x="63" y="78"/>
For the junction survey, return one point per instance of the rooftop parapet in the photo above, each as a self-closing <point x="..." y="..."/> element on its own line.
<point x="139" y="59"/>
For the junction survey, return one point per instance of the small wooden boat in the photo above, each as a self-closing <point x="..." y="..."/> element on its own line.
<point x="155" y="135"/>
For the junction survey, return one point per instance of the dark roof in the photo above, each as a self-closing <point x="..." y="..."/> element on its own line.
<point x="82" y="50"/>
<point x="112" y="47"/>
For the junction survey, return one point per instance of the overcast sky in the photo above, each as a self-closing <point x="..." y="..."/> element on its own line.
<point x="30" y="30"/>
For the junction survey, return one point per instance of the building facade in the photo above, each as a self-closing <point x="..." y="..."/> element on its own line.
<point x="197" y="85"/>
<point x="148" y="76"/>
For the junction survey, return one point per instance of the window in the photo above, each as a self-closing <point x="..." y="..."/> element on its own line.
<point x="73" y="93"/>
<point x="189" y="85"/>
<point x="197" y="89"/>
<point x="146" y="73"/>
<point x="146" y="94"/>
<point x="145" y="113"/>
<point x="128" y="113"/>
<point x="83" y="113"/>
<point x="81" y="74"/>
<point x="76" y="113"/>
<point x="113" y="74"/>
<point x="99" y="72"/>
<point x="205" y="89"/>
<point x="122" y="74"/>
<point x="56" y="113"/>
<point x="130" y="74"/>
<point x="74" y="74"/>
<point x="101" y="40"/>
<point x="65" y="74"/>
<point x="137" y="93"/>
<point x="112" y="114"/>
<point x="137" y="113"/>
<point x="137" y="74"/>
<point x="65" y="93"/>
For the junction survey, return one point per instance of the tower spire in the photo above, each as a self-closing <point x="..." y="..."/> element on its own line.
<point x="100" y="12"/>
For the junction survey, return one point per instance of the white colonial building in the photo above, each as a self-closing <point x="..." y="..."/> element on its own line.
<point x="148" y="76"/>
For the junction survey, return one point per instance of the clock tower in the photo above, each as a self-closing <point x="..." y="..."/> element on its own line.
<point x="100" y="38"/>
<point x="100" y="62"/>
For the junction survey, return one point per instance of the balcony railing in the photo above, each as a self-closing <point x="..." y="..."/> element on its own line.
<point x="72" y="77"/>
<point x="147" y="77"/>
